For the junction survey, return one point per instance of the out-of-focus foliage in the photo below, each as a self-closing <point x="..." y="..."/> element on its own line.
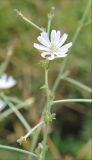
<point x="71" y="130"/>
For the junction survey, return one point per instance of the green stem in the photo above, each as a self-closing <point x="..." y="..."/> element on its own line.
<point x="47" y="107"/>
<point x="46" y="83"/>
<point x="17" y="150"/>
<point x="62" y="67"/>
<point x="12" y="99"/>
<point x="49" y="24"/>
<point x="4" y="65"/>
<point x="50" y="16"/>
<point x="81" y="22"/>
<point x="33" y="129"/>
<point x="28" y="21"/>
<point x="18" y="106"/>
<point x="34" y="142"/>
<point x="17" y="113"/>
<point x="88" y="22"/>
<point x="72" y="100"/>
<point x="45" y="135"/>
<point x="78" y="84"/>
<point x="24" y="138"/>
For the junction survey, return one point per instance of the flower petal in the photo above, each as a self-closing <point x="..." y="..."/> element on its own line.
<point x="43" y="41"/>
<point x="57" y="39"/>
<point x="45" y="36"/>
<point x="51" y="57"/>
<point x="6" y="81"/>
<point x="47" y="55"/>
<point x="66" y="46"/>
<point x="61" y="53"/>
<point x="41" y="47"/>
<point x="53" y="36"/>
<point x="62" y="40"/>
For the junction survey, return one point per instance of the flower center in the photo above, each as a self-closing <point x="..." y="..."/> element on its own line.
<point x="53" y="48"/>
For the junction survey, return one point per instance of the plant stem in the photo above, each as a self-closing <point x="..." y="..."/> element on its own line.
<point x="17" y="150"/>
<point x="46" y="83"/>
<point x="78" y="84"/>
<point x="34" y="141"/>
<point x="50" y="16"/>
<point x="20" y="116"/>
<point x="88" y="22"/>
<point x="33" y="129"/>
<point x="62" y="67"/>
<point x="49" y="24"/>
<point x="28" y="21"/>
<point x="72" y="100"/>
<point x="47" y="107"/>
<point x="18" y="106"/>
<point x="45" y="135"/>
<point x="17" y="113"/>
<point x="24" y="138"/>
<point x="4" y="65"/>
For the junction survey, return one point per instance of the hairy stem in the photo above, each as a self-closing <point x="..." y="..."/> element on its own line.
<point x="50" y="16"/>
<point x="45" y="135"/>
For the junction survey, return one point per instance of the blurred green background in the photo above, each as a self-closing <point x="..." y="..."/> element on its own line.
<point x="70" y="133"/>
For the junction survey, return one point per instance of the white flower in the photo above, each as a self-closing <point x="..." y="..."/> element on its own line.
<point x="52" y="47"/>
<point x="6" y="81"/>
<point x="2" y="105"/>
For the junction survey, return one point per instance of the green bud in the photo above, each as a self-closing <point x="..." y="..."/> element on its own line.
<point x="48" y="117"/>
